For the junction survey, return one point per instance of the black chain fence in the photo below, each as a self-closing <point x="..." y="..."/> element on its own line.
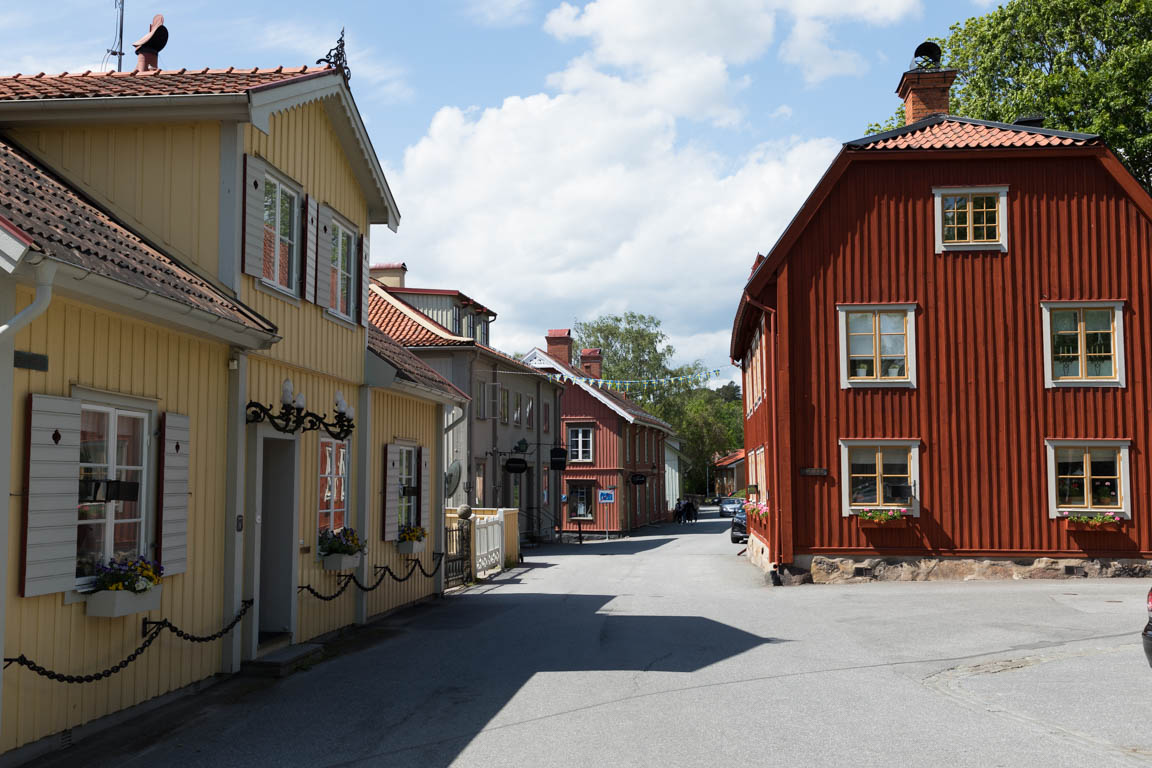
<point x="348" y="579"/>
<point x="152" y="630"/>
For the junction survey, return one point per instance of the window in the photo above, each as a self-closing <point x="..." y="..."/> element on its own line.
<point x="970" y="219"/>
<point x="113" y="455"/>
<point x="408" y="505"/>
<point x="281" y="235"/>
<point x="580" y="444"/>
<point x="341" y="284"/>
<point x="1083" y="344"/>
<point x="478" y="399"/>
<point x="481" y="470"/>
<point x="333" y="513"/>
<point x="580" y="502"/>
<point x="880" y="473"/>
<point x="627" y="444"/>
<point x="456" y="319"/>
<point x="530" y="413"/>
<point x="547" y="417"/>
<point x="877" y="345"/>
<point x="503" y="405"/>
<point x="470" y="326"/>
<point x="482" y="332"/>
<point x="493" y="399"/>
<point x="1088" y="477"/>
<point x="518" y="410"/>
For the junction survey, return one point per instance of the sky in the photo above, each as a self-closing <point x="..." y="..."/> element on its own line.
<point x="555" y="160"/>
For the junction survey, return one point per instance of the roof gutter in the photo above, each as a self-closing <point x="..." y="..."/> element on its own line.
<point x="45" y="273"/>
<point x="111" y="109"/>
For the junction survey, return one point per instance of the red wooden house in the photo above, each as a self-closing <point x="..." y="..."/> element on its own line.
<point x="956" y="324"/>
<point x="614" y="482"/>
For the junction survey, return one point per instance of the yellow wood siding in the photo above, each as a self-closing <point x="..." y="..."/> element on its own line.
<point x="302" y="145"/>
<point x="399" y="417"/>
<point x="161" y="180"/>
<point x="102" y="350"/>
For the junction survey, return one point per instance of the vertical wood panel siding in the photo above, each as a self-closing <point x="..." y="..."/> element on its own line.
<point x="980" y="409"/>
<point x="606" y="469"/>
<point x="162" y="180"/>
<point x="399" y="417"/>
<point x="105" y="351"/>
<point x="302" y="145"/>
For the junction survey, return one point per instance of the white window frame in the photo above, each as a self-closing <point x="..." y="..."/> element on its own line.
<point x="492" y="393"/>
<point x="281" y="183"/>
<point x="1125" y="508"/>
<point x="938" y="218"/>
<point x="332" y="478"/>
<point x="909" y="382"/>
<point x="482" y="332"/>
<point x="530" y="412"/>
<point x="518" y="410"/>
<point x="144" y="502"/>
<point x="340" y="228"/>
<point x="583" y="445"/>
<point x="456" y="319"/>
<point x="479" y="400"/>
<point x="847" y="509"/>
<point x="470" y="326"/>
<point x="1119" y="380"/>
<point x="407" y="507"/>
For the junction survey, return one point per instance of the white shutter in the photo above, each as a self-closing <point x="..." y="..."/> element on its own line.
<point x="424" y="513"/>
<point x="493" y="399"/>
<point x="175" y="463"/>
<point x="391" y="493"/>
<point x="365" y="277"/>
<point x="311" y="219"/>
<point x="52" y="495"/>
<point x="478" y="401"/>
<point x="254" y="169"/>
<point x="324" y="257"/>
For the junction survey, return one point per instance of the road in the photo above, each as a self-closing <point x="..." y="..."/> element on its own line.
<point x="667" y="649"/>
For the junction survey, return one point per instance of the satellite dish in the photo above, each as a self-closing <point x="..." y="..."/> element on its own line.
<point x="452" y="478"/>
<point x="927" y="55"/>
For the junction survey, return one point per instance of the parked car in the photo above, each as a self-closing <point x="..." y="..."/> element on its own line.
<point x="740" y="535"/>
<point x="1148" y="631"/>
<point x="728" y="507"/>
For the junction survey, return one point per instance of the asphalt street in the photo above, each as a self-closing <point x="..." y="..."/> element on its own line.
<point x="666" y="649"/>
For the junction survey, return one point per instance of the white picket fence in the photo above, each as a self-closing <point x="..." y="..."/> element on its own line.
<point x="489" y="542"/>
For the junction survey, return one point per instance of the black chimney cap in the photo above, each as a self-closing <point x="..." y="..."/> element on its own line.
<point x="927" y="56"/>
<point x="156" y="39"/>
<point x="1034" y="120"/>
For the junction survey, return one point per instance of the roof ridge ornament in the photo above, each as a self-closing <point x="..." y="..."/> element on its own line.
<point x="336" y="57"/>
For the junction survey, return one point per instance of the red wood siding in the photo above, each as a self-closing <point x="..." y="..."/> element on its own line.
<point x="578" y="409"/>
<point x="980" y="409"/>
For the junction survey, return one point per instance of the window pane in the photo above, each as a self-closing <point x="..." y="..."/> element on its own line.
<point x="284" y="277"/>
<point x="895" y="461"/>
<point x="91" y="511"/>
<point x="324" y="521"/>
<point x="346" y="254"/>
<point x="1066" y="344"/>
<point x="863" y="490"/>
<point x="1098" y="343"/>
<point x="1069" y="492"/>
<point x="326" y="465"/>
<point x="325" y="493"/>
<point x="859" y="322"/>
<point x="89" y="548"/>
<point x="1104" y="462"/>
<point x="1066" y="367"/>
<point x="338" y="520"/>
<point x="891" y="345"/>
<point x="126" y="540"/>
<point x="270" y="188"/>
<point x="892" y="367"/>
<point x="895" y="495"/>
<point x="338" y="499"/>
<point x="287" y="217"/>
<point x="862" y="461"/>
<point x="1065" y="320"/>
<point x="1069" y="461"/>
<point x="892" y="322"/>
<point x="127" y="509"/>
<point x="345" y="291"/>
<point x="1098" y="320"/>
<point x="955" y="202"/>
<point x="1105" y="493"/>
<point x="129" y="441"/>
<point x="341" y="450"/>
<point x="93" y="437"/>
<point x="860" y="345"/>
<point x="862" y="367"/>
<point x="1100" y="367"/>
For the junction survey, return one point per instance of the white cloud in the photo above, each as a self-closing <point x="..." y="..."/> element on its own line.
<point x="809" y="47"/>
<point x="500" y="13"/>
<point x="783" y="111"/>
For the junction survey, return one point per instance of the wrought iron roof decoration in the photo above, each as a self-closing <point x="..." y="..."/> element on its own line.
<point x="336" y="57"/>
<point x="293" y="417"/>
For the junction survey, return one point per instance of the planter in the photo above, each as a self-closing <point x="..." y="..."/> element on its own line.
<point x="900" y="522"/>
<point x="1098" y="527"/>
<point x="341" y="562"/>
<point x="410" y="547"/>
<point x="112" y="603"/>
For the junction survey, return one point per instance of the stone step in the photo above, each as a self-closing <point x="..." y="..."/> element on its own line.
<point x="285" y="661"/>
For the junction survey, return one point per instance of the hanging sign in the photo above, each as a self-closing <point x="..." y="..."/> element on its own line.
<point x="814" y="471"/>
<point x="606" y="497"/>
<point x="638" y="479"/>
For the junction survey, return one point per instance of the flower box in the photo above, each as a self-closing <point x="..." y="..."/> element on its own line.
<point x="341" y="562"/>
<point x="110" y="603"/>
<point x="410" y="547"/>
<point x="1099" y="527"/>
<point x="899" y="522"/>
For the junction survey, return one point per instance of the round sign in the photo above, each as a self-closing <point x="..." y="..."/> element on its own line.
<point x="639" y="479"/>
<point x="516" y="466"/>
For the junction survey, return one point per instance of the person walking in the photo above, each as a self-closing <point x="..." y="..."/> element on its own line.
<point x="689" y="511"/>
<point x="679" y="510"/>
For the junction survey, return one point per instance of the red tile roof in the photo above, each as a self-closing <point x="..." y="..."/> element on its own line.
<point x="950" y="132"/>
<point x="69" y="228"/>
<point x="157" y="82"/>
<point x="465" y="300"/>
<point x="619" y="399"/>
<point x="409" y="367"/>
<point x="408" y="325"/>
<point x="732" y="458"/>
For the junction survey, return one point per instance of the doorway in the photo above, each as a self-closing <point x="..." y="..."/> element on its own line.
<point x="277" y="514"/>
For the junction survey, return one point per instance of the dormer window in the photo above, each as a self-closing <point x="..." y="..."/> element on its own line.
<point x="470" y="326"/>
<point x="971" y="218"/>
<point x="482" y="331"/>
<point x="456" y="319"/>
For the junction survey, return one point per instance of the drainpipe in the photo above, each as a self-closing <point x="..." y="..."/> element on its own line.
<point x="776" y="536"/>
<point x="45" y="272"/>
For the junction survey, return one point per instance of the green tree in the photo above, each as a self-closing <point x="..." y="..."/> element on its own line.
<point x="1085" y="65"/>
<point x="709" y="425"/>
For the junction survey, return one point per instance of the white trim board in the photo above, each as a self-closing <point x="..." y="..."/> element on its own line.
<point x="1050" y="446"/>
<point x="1001" y="212"/>
<point x="909" y="382"/>
<point x="846" y="508"/>
<point x="1117" y="307"/>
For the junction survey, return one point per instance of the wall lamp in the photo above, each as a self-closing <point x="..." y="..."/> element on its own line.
<point x="293" y="417"/>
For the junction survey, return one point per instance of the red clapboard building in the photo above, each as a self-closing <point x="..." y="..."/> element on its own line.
<point x="956" y="324"/>
<point x="614" y="481"/>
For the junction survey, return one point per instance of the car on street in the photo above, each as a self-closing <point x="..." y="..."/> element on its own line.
<point x="740" y="535"/>
<point x="1147" y="635"/>
<point x="728" y="506"/>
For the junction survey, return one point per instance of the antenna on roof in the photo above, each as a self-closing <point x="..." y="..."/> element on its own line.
<point x="118" y="49"/>
<point x="926" y="56"/>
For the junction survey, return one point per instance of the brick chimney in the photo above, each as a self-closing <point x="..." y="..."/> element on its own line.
<point x="559" y="344"/>
<point x="925" y="92"/>
<point x="148" y="47"/>
<point x="392" y="275"/>
<point x="591" y="362"/>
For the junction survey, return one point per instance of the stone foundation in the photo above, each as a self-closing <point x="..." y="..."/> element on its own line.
<point x="820" y="569"/>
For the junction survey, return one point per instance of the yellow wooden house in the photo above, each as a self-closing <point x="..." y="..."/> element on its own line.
<point x="187" y="376"/>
